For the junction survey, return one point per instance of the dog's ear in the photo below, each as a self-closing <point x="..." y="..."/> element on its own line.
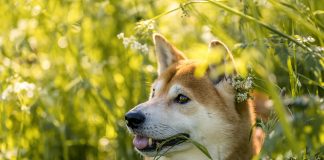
<point x="227" y="62"/>
<point x="228" y="67"/>
<point x="166" y="53"/>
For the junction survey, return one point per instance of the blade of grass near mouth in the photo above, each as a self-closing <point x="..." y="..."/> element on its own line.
<point x="202" y="148"/>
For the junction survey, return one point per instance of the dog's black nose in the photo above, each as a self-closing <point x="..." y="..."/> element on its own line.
<point x="134" y="119"/>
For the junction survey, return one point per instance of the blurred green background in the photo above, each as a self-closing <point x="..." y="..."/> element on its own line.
<point x="70" y="69"/>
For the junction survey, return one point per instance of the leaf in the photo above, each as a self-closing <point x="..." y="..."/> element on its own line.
<point x="292" y="77"/>
<point x="202" y="148"/>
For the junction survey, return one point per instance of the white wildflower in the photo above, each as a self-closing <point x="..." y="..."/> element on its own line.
<point x="319" y="49"/>
<point x="32" y="42"/>
<point x="132" y="38"/>
<point x="22" y="24"/>
<point x="36" y="10"/>
<point x="10" y="154"/>
<point x="6" y="62"/>
<point x="241" y="97"/>
<point x="25" y="108"/>
<point x="126" y="42"/>
<point x="17" y="88"/>
<point x="6" y="92"/>
<point x="207" y="36"/>
<point x="248" y="83"/>
<point x="150" y="25"/>
<point x="308" y="39"/>
<point x="242" y="86"/>
<point x="144" y="48"/>
<point x="62" y="42"/>
<point x="45" y="64"/>
<point x="237" y="82"/>
<point x="120" y="35"/>
<point x="15" y="34"/>
<point x="133" y="43"/>
<point x="147" y="25"/>
<point x="104" y="143"/>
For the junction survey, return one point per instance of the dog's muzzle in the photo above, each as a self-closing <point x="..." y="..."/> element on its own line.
<point x="134" y="119"/>
<point x="143" y="143"/>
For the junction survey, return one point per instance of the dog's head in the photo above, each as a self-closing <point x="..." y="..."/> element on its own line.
<point x="182" y="106"/>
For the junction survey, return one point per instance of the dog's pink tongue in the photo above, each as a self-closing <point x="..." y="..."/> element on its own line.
<point x="140" y="142"/>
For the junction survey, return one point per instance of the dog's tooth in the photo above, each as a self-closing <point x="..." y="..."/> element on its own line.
<point x="150" y="141"/>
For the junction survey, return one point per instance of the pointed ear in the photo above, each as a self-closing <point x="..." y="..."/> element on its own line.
<point x="221" y="82"/>
<point x="166" y="53"/>
<point x="218" y="47"/>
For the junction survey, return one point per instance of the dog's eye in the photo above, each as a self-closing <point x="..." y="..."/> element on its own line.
<point x="181" y="99"/>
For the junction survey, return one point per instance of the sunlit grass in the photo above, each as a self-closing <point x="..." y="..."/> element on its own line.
<point x="67" y="79"/>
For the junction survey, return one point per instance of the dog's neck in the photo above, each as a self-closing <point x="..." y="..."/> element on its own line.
<point x="232" y="146"/>
<point x="190" y="154"/>
<point x="217" y="152"/>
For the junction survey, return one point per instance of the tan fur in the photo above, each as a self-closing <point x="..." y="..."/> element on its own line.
<point x="211" y="104"/>
<point x="242" y="116"/>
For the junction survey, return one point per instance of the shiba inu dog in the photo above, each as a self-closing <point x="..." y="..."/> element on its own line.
<point x="184" y="106"/>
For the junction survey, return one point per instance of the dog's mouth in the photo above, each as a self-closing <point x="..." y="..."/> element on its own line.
<point x="147" y="144"/>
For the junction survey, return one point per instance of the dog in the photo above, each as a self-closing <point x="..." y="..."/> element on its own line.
<point x="186" y="107"/>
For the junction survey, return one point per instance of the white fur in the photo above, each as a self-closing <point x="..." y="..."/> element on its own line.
<point x="175" y="90"/>
<point x="164" y="53"/>
<point x="205" y="126"/>
<point x="227" y="92"/>
<point x="156" y="87"/>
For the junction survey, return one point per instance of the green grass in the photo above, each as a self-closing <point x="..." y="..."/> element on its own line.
<point x="81" y="79"/>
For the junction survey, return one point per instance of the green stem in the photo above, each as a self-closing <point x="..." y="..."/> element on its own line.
<point x="297" y="18"/>
<point x="260" y="23"/>
<point x="279" y="108"/>
<point x="21" y="128"/>
<point x="220" y="5"/>
<point x="175" y="9"/>
<point x="63" y="140"/>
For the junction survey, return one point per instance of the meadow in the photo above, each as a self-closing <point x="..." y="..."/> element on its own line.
<point x="70" y="69"/>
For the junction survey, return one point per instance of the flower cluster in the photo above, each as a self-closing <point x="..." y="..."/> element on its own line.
<point x="185" y="10"/>
<point x="18" y="88"/>
<point x="301" y="39"/>
<point x="146" y="25"/>
<point x="318" y="49"/>
<point x="242" y="86"/>
<point x="133" y="43"/>
<point x="144" y="29"/>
